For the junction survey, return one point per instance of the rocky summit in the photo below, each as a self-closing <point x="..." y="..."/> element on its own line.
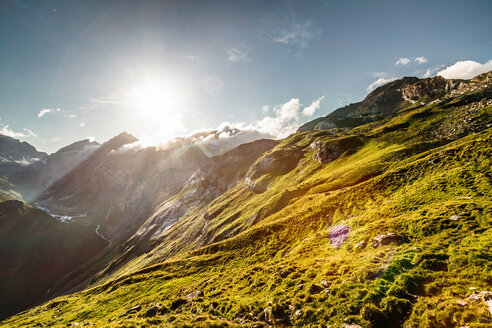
<point x="376" y="215"/>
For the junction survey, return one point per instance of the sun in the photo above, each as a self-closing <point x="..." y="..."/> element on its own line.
<point x="152" y="100"/>
<point x="157" y="106"/>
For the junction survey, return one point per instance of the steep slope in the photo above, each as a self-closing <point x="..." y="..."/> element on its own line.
<point x="35" y="250"/>
<point x="15" y="155"/>
<point x="32" y="180"/>
<point x="121" y="184"/>
<point x="220" y="174"/>
<point x="384" y="225"/>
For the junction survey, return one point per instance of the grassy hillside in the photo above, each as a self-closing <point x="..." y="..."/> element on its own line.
<point x="393" y="231"/>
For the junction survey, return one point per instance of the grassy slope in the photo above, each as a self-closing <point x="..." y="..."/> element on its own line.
<point x="409" y="178"/>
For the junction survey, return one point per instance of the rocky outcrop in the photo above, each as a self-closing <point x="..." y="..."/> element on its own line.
<point x="275" y="163"/>
<point x="387" y="238"/>
<point x="388" y="99"/>
<point x="328" y="151"/>
<point x="431" y="87"/>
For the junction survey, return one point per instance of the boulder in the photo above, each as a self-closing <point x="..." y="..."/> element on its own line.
<point x="315" y="289"/>
<point x="386" y="239"/>
<point x="484" y="296"/>
<point x="339" y="234"/>
<point x="194" y="295"/>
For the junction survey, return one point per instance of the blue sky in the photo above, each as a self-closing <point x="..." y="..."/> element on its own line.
<point x="73" y="69"/>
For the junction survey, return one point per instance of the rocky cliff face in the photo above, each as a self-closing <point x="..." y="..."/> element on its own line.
<point x="386" y="100"/>
<point x="15" y="155"/>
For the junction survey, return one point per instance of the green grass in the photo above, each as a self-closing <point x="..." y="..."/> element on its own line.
<point x="413" y="174"/>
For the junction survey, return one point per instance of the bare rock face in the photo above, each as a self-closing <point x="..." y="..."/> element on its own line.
<point x="275" y="163"/>
<point x="255" y="186"/>
<point x="326" y="152"/>
<point x="432" y="87"/>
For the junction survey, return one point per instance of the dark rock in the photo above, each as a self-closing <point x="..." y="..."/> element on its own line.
<point x="284" y="273"/>
<point x="178" y="303"/>
<point x="315" y="289"/>
<point x="386" y="239"/>
<point x="152" y="311"/>
<point x="326" y="152"/>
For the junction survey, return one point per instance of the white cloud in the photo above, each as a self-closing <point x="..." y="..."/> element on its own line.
<point x="82" y="124"/>
<point x="296" y="34"/>
<point x="421" y="60"/>
<point x="430" y="72"/>
<point x="265" y="108"/>
<point x="466" y="69"/>
<point x="45" y="111"/>
<point x="309" y="110"/>
<point x="30" y="133"/>
<point x="379" y="82"/>
<point x="6" y="131"/>
<point x="238" y="55"/>
<point x="289" y="110"/>
<point x="402" y="61"/>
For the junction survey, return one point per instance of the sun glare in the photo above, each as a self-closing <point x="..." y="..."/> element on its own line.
<point x="158" y="108"/>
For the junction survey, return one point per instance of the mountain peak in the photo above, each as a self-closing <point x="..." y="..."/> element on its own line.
<point x="124" y="138"/>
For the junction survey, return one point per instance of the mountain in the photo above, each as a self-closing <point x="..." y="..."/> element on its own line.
<point x="33" y="179"/>
<point x="388" y="99"/>
<point x="120" y="185"/>
<point x="15" y="155"/>
<point x="378" y="217"/>
<point x="35" y="251"/>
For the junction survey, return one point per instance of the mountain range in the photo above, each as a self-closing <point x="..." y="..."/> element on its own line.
<point x="376" y="215"/>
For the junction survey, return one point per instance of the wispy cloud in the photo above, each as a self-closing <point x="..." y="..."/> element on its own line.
<point x="379" y="82"/>
<point x="30" y="133"/>
<point x="6" y="131"/>
<point x="213" y="84"/>
<point x="265" y="108"/>
<point x="430" y="72"/>
<point x="421" y="60"/>
<point x="238" y="55"/>
<point x="82" y="124"/>
<point x="297" y="34"/>
<point x="309" y="110"/>
<point x="402" y="61"/>
<point x="191" y="57"/>
<point x="45" y="111"/>
<point x="466" y="69"/>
